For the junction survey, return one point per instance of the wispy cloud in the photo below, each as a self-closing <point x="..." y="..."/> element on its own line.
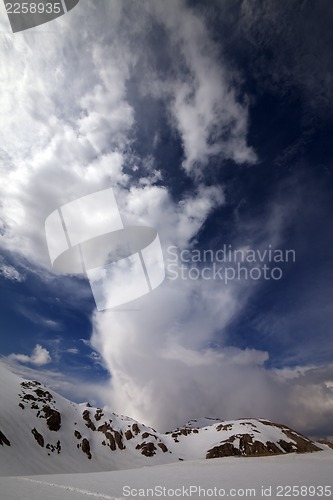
<point x="201" y="93"/>
<point x="39" y="356"/>
<point x="39" y="319"/>
<point x="72" y="350"/>
<point x="10" y="272"/>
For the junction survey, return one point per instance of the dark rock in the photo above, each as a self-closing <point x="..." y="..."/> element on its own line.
<point x="86" y="448"/>
<point x="39" y="438"/>
<point x="89" y="423"/>
<point x="272" y="448"/>
<point x="112" y="442"/>
<point x="224" y="450"/>
<point x="135" y="429"/>
<point x="128" y="435"/>
<point x="30" y="384"/>
<point x="29" y="397"/>
<point x="119" y="440"/>
<point x="147" y="449"/>
<point x="4" y="440"/>
<point x="287" y="446"/>
<point x="53" y="418"/>
<point x="45" y="395"/>
<point x="104" y="428"/>
<point x="99" y="414"/>
<point x="303" y="444"/>
<point x="327" y="442"/>
<point x="224" y="427"/>
<point x="77" y="434"/>
<point x="163" y="447"/>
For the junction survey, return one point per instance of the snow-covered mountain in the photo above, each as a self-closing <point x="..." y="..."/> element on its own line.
<point x="42" y="432"/>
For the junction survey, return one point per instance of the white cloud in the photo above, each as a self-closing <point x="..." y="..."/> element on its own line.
<point x="39" y="356"/>
<point x="72" y="130"/>
<point x="201" y="94"/>
<point x="77" y="139"/>
<point x="72" y="350"/>
<point x="10" y="273"/>
<point x="164" y="374"/>
<point x="164" y="370"/>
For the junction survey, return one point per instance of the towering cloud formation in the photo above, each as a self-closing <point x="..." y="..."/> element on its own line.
<point x="69" y="122"/>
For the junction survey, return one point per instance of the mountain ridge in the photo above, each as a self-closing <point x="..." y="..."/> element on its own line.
<point x="42" y="433"/>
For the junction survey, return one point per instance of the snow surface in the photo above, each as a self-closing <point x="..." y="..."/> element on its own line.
<point x="313" y="469"/>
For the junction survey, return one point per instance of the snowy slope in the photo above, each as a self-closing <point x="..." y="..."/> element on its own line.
<point x="43" y="433"/>
<point x="236" y="437"/>
<point x="50" y="434"/>
<point x="237" y="477"/>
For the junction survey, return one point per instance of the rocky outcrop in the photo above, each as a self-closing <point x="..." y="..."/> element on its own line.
<point x="89" y="423"/>
<point x="41" y="400"/>
<point x="224" y="427"/>
<point x="44" y="396"/>
<point x="128" y="435"/>
<point x="39" y="438"/>
<point x="163" y="447"/>
<point x="147" y="449"/>
<point x="85" y="445"/>
<point x="223" y="450"/>
<point x="136" y="429"/>
<point x="303" y="444"/>
<point x="99" y="414"/>
<point x="53" y="418"/>
<point x="248" y="444"/>
<point x="54" y="448"/>
<point x="327" y="442"/>
<point x="119" y="440"/>
<point x="114" y="437"/>
<point x="185" y="431"/>
<point x="4" y="440"/>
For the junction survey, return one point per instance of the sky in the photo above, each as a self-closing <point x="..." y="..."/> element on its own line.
<point x="211" y="122"/>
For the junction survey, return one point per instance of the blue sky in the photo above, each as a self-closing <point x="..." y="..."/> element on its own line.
<point x="212" y="123"/>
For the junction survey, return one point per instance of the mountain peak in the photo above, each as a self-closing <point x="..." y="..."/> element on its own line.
<point x="61" y="436"/>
